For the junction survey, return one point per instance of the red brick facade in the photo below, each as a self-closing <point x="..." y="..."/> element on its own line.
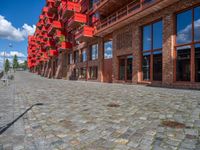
<point x="126" y="37"/>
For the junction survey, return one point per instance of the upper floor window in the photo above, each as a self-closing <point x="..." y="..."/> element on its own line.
<point x="152" y="36"/>
<point x="94" y="52"/>
<point x="108" y="50"/>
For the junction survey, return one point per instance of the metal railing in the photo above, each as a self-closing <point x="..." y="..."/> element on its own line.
<point x="131" y="8"/>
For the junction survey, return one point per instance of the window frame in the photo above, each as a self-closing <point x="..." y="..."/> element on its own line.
<point x="151" y="51"/>
<point x="191" y="44"/>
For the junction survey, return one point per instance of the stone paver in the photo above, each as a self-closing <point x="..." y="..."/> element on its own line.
<point x="76" y="116"/>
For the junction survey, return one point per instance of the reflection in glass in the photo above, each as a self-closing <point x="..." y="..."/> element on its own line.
<point x="184" y="27"/>
<point x="122" y="69"/>
<point x="146" y="66"/>
<point x="129" y="68"/>
<point x="93" y="72"/>
<point x="183" y="63"/>
<point x="84" y="56"/>
<point x="94" y="52"/>
<point x="197" y="24"/>
<point x="157" y="35"/>
<point x="157" y="66"/>
<point x="108" y="50"/>
<point x="147" y="38"/>
<point x="197" y="62"/>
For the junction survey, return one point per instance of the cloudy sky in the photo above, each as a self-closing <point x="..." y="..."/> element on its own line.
<point x="17" y="21"/>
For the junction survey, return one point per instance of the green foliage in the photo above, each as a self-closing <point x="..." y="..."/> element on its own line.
<point x="23" y="65"/>
<point x="7" y="65"/>
<point x="15" y="62"/>
<point x="62" y="39"/>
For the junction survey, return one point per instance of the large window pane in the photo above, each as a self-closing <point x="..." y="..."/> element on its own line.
<point x="184" y="27"/>
<point x="183" y="63"/>
<point x="122" y="69"/>
<point x="93" y="72"/>
<point x="157" y="35"/>
<point x="157" y="66"/>
<point x="146" y="66"/>
<point x="197" y="24"/>
<point x="147" y="38"/>
<point x="197" y="62"/>
<point x="129" y="67"/>
<point x="84" y="56"/>
<point x="94" y="52"/>
<point x="108" y="50"/>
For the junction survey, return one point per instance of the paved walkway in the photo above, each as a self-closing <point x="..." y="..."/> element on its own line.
<point x="96" y="116"/>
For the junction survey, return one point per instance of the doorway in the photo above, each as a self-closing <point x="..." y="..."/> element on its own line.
<point x="126" y="68"/>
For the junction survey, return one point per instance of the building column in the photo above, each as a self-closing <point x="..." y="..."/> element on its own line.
<point x="168" y="49"/>
<point x="101" y="59"/>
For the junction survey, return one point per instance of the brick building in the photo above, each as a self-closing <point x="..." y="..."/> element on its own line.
<point x="154" y="42"/>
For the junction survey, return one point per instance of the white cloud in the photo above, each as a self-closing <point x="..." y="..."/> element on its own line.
<point x="185" y="35"/>
<point x="12" y="53"/>
<point x="8" y="31"/>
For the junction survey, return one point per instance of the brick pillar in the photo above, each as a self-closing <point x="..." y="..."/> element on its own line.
<point x="115" y="60"/>
<point x="168" y="48"/>
<point x="100" y="59"/>
<point x="137" y="59"/>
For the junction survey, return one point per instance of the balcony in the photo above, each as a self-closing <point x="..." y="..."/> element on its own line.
<point x="77" y="20"/>
<point x="57" y="35"/>
<point x="53" y="53"/>
<point x="64" y="45"/>
<point x="69" y="8"/>
<point x="105" y="7"/>
<point x="55" y="25"/>
<point x="51" y="5"/>
<point x="130" y="13"/>
<point x="84" y="34"/>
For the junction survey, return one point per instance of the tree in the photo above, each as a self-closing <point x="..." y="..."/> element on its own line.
<point x="15" y="62"/>
<point x="7" y="65"/>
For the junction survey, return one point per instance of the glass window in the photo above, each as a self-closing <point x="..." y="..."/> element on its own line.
<point x="70" y="60"/>
<point x="184" y="27"/>
<point x="83" y="73"/>
<point x="108" y="50"/>
<point x="183" y="63"/>
<point x="152" y="34"/>
<point x="122" y="69"/>
<point x="94" y="52"/>
<point x="146" y="66"/>
<point x="84" y="56"/>
<point x="197" y="62"/>
<point x="147" y="38"/>
<point x="157" y="35"/>
<point x="157" y="66"/>
<point x="197" y="24"/>
<point x="93" y="72"/>
<point x="76" y="56"/>
<point x="129" y="68"/>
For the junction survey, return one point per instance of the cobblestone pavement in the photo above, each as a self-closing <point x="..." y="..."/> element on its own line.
<point x="95" y="116"/>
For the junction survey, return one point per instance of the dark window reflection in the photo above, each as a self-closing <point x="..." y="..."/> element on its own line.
<point x="183" y="64"/>
<point x="146" y="67"/>
<point x="157" y="66"/>
<point x="184" y="27"/>
<point x="129" y="67"/>
<point x="122" y="69"/>
<point x="197" y="62"/>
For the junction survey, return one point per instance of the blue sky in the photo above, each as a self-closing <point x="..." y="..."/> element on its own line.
<point x="17" y="21"/>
